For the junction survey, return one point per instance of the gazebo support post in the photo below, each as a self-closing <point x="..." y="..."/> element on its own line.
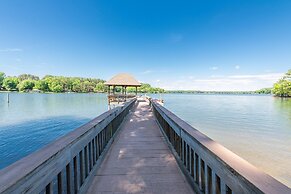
<point x="125" y="92"/>
<point x="108" y="97"/>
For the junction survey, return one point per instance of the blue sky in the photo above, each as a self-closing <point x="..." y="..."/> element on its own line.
<point x="197" y="44"/>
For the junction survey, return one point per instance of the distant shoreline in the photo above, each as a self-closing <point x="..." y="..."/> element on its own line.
<point x="167" y="92"/>
<point x="33" y="92"/>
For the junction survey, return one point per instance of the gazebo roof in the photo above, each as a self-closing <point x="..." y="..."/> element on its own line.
<point x="123" y="79"/>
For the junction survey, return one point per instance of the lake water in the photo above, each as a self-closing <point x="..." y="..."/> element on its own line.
<point x="31" y="121"/>
<point x="257" y="128"/>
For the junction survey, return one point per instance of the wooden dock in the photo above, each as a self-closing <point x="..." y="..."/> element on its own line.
<point x="140" y="160"/>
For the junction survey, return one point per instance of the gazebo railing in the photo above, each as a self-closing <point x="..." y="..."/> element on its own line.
<point x="119" y="98"/>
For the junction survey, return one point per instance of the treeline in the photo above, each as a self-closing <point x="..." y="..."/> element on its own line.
<point x="261" y="91"/>
<point x="147" y="88"/>
<point x="49" y="83"/>
<point x="283" y="87"/>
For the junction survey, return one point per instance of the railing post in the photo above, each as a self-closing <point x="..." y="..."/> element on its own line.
<point x="192" y="164"/>
<point x="86" y="160"/>
<point x="93" y="151"/>
<point x="202" y="172"/>
<point x="69" y="178"/>
<point x="49" y="188"/>
<point x="60" y="182"/>
<point x="97" y="147"/>
<point x="81" y="167"/>
<point x="75" y="166"/>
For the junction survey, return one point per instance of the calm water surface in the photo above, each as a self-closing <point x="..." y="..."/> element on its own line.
<point x="257" y="128"/>
<point x="31" y="121"/>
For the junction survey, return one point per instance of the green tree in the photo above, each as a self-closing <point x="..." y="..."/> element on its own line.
<point x="100" y="87"/>
<point x="42" y="85"/>
<point x="264" y="91"/>
<point x="27" y="76"/>
<point x="287" y="75"/>
<point x="283" y="87"/>
<point x="76" y="86"/>
<point x="10" y="83"/>
<point x="2" y="77"/>
<point x="26" y="85"/>
<point x="146" y="88"/>
<point x="56" y="87"/>
<point x="87" y="86"/>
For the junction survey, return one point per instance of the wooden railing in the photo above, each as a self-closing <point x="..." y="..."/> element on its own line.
<point x="68" y="164"/>
<point x="208" y="166"/>
<point x="120" y="97"/>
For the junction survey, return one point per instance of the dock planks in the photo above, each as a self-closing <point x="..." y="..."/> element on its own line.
<point x="140" y="160"/>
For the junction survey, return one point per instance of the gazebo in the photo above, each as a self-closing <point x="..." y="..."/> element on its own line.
<point x="122" y="80"/>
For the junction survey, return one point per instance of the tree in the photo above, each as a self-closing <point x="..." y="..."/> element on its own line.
<point x="26" y="85"/>
<point x="76" y="86"/>
<point x="100" y="87"/>
<point x="264" y="91"/>
<point x="41" y="85"/>
<point x="87" y="86"/>
<point x="287" y="75"/>
<point x="283" y="87"/>
<point x="56" y="87"/>
<point x="27" y="76"/>
<point x="2" y="77"/>
<point x="10" y="83"/>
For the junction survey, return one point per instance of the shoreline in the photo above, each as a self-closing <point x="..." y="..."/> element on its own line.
<point x="242" y="93"/>
<point x="236" y="94"/>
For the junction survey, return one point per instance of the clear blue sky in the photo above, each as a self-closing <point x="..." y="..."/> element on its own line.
<point x="197" y="44"/>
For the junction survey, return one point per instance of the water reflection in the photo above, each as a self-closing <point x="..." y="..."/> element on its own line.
<point x="283" y="105"/>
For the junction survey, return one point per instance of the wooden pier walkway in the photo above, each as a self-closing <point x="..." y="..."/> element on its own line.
<point x="140" y="160"/>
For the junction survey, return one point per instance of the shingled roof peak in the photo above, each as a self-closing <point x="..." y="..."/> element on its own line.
<point x="122" y="79"/>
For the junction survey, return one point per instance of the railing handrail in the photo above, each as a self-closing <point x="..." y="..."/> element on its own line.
<point x="235" y="164"/>
<point x="26" y="166"/>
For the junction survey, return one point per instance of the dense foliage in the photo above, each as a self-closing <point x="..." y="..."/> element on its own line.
<point x="146" y="88"/>
<point x="283" y="87"/>
<point x="49" y="83"/>
<point x="264" y="91"/>
<point x="2" y="76"/>
<point x="10" y="83"/>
